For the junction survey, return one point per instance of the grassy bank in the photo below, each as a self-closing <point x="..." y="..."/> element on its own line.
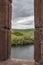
<point x="22" y="37"/>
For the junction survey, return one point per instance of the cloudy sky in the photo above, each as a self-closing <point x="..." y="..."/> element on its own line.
<point x="22" y="14"/>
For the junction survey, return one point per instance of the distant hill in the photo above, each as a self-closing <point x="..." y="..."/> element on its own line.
<point x="23" y="29"/>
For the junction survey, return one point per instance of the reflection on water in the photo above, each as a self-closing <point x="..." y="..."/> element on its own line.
<point x="23" y="52"/>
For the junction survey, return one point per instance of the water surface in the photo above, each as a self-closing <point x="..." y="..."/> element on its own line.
<point x="23" y="52"/>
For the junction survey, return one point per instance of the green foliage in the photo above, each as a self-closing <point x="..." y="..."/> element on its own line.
<point x="22" y="37"/>
<point x="18" y="33"/>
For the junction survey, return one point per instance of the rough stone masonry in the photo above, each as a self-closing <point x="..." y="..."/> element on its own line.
<point x="5" y="27"/>
<point x="38" y="36"/>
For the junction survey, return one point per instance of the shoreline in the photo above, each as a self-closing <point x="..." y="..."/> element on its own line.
<point x="13" y="45"/>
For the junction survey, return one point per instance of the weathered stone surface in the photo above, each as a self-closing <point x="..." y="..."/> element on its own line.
<point x="36" y="63"/>
<point x="39" y="35"/>
<point x="10" y="1"/>
<point x="41" y="49"/>
<point x="38" y="7"/>
<point x="3" y="2"/>
<point x="9" y="16"/>
<point x="4" y="41"/>
<point x="5" y="14"/>
<point x="3" y="44"/>
<point x="37" y="48"/>
<point x="5" y="25"/>
<point x="18" y="62"/>
<point x="8" y="44"/>
<point x="41" y="58"/>
<point x="38" y="41"/>
<point x="38" y="44"/>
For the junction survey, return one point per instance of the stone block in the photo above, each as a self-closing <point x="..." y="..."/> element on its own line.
<point x="4" y="2"/>
<point x="38" y="44"/>
<point x="38" y="9"/>
<point x="39" y="35"/>
<point x="9" y="16"/>
<point x="42" y="58"/>
<point x="8" y="44"/>
<point x="41" y="49"/>
<point x="5" y="15"/>
<point x="5" y="25"/>
<point x="4" y="42"/>
<point x="10" y="1"/>
<point x="37" y="48"/>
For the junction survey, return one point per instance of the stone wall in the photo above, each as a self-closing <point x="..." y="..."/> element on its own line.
<point x="5" y="26"/>
<point x="38" y="36"/>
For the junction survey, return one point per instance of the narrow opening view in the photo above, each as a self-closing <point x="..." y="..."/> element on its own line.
<point x="22" y="32"/>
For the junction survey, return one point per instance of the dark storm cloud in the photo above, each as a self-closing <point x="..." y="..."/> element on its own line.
<point x="22" y="8"/>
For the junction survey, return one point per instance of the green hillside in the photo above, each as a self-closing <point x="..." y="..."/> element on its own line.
<point x="22" y="37"/>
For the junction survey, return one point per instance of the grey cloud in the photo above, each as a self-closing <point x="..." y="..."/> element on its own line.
<point x="22" y="8"/>
<point x="27" y="23"/>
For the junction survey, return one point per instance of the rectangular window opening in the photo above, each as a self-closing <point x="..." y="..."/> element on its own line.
<point x="22" y="32"/>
